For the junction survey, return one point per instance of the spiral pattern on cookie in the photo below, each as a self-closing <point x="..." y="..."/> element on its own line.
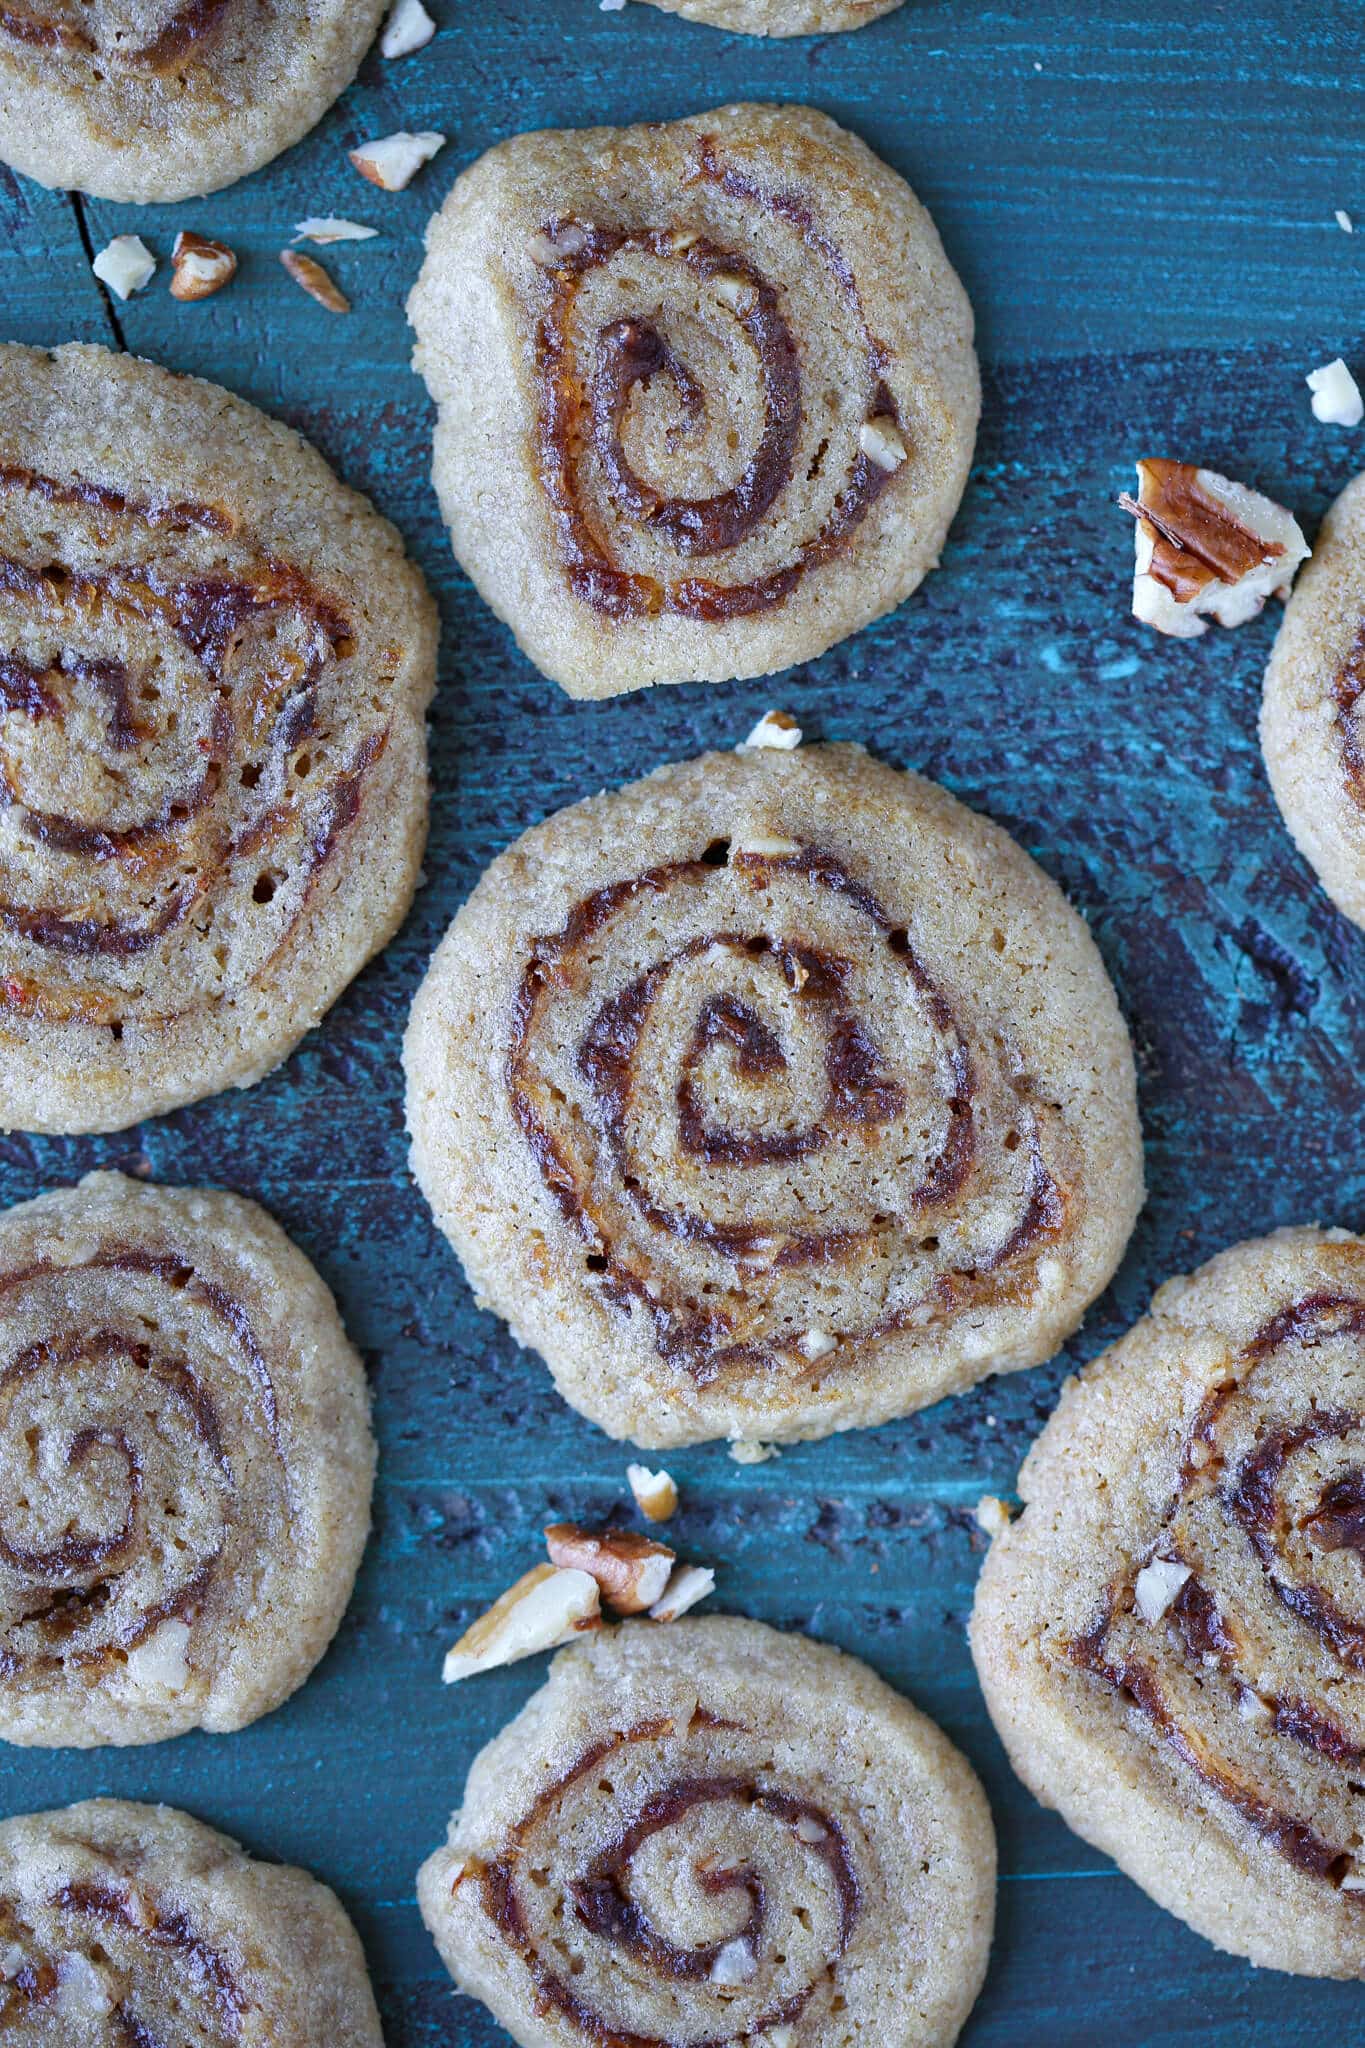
<point x="750" y="1095"/>
<point x="746" y="1092"/>
<point x="123" y="1424"/>
<point x="1253" y="1675"/>
<point x="162" y="1528"/>
<point x="152" y="100"/>
<point x="728" y="372"/>
<point x="129" y="1926"/>
<point x="139" y="1938"/>
<point x="768" y="1873"/>
<point x="715" y="1834"/>
<point x="688" y="466"/>
<point x="214" y="664"/>
<point x="175" y="773"/>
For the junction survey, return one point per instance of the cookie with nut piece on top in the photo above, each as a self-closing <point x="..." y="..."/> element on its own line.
<point x="165" y="99"/>
<point x="215" y="663"/>
<point x="724" y="374"/>
<point x="132" y="1926"/>
<point x="714" y="1832"/>
<point x="1171" y="1635"/>
<point x="773" y="1095"/>
<point x="185" y="1465"/>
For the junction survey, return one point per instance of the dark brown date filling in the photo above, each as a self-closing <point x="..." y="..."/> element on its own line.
<point x="579" y="411"/>
<point x="92" y="497"/>
<point x="67" y="1589"/>
<point x="1251" y="1498"/>
<point x="862" y="1097"/>
<point x="631" y="352"/>
<point x="262" y="711"/>
<point x="185" y="39"/>
<point x="1347" y="693"/>
<point x="127" y="1922"/>
<point x="604" y="1905"/>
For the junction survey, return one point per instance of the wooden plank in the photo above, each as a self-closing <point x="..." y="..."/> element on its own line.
<point x="47" y="291"/>
<point x="1147" y="231"/>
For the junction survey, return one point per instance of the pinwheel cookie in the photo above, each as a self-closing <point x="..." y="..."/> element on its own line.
<point x="214" y="669"/>
<point x="1313" y="712"/>
<point x="1171" y="1638"/>
<point x="781" y="17"/>
<point x="775" y="1094"/>
<point x="161" y="99"/>
<point x="126" y="1926"/>
<point x="707" y="392"/>
<point x="185" y="1464"/>
<point x="712" y="1832"/>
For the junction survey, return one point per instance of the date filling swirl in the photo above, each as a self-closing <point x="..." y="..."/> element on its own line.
<point x="182" y="748"/>
<point x="156" y="1982"/>
<point x="699" y="456"/>
<point x="1348" y="700"/>
<point x="1254" y="1678"/>
<point x="766" y="1123"/>
<point x="182" y="36"/>
<point x="141" y="1471"/>
<point x="661" y="1896"/>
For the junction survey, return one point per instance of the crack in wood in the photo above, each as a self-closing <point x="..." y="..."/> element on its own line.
<point x="77" y="203"/>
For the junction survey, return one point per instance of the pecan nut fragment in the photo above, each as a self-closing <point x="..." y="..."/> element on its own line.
<point x="201" y="267"/>
<point x="656" y="1493"/>
<point x="631" y="1570"/>
<point x="307" y="272"/>
<point x="1207" y="548"/>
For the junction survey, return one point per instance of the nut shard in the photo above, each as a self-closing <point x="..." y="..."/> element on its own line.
<point x="656" y="1493"/>
<point x="126" y="264"/>
<point x="201" y="266"/>
<point x="1336" y="399"/>
<point x="631" y="1570"/>
<point x="544" y="1609"/>
<point x="689" y="1585"/>
<point x="393" y="161"/>
<point x="312" y="278"/>
<point x="777" y="730"/>
<point x="1207" y="549"/>
<point x="409" y="27"/>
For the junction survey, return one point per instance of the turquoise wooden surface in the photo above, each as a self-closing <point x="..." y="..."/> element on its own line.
<point x="1140" y="198"/>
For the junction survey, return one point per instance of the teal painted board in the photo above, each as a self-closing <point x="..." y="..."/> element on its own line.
<point x="1144" y="214"/>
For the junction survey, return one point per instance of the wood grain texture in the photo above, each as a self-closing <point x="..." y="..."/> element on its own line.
<point x="1145" y="222"/>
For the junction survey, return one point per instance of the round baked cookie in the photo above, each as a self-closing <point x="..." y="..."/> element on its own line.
<point x="215" y="663"/>
<point x="1313" y="710"/>
<point x="707" y="392"/>
<point x="774" y="1095"/>
<point x="185" y="1464"/>
<point x="710" y="1832"/>
<point x="125" y="1924"/>
<point x="781" y="17"/>
<point x="164" y="99"/>
<point x="1171" y="1637"/>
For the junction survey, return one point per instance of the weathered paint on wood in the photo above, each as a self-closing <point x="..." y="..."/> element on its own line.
<point x="1144" y="215"/>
